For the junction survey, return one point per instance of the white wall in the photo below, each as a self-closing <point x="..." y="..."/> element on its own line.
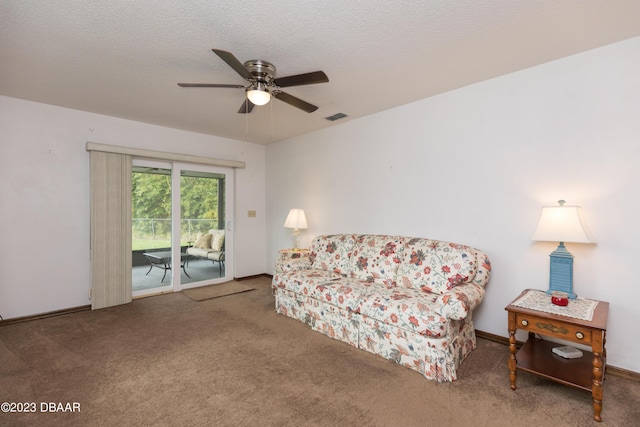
<point x="44" y="199"/>
<point x="476" y="165"/>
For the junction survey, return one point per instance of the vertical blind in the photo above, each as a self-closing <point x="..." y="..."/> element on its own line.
<point x="110" y="229"/>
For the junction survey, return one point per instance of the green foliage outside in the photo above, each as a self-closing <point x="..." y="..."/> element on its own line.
<point x="151" y="197"/>
<point x="146" y="244"/>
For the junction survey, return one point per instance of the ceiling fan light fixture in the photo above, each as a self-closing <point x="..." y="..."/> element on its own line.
<point x="258" y="94"/>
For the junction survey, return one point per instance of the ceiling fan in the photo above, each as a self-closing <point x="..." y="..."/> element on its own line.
<point x="262" y="84"/>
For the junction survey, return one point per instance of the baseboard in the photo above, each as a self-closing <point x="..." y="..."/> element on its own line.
<point x="611" y="370"/>
<point x="45" y="315"/>
<point x="255" y="276"/>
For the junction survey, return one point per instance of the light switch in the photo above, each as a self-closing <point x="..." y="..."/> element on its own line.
<point x="251" y="214"/>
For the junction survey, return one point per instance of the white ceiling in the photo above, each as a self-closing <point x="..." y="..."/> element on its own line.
<point x="123" y="58"/>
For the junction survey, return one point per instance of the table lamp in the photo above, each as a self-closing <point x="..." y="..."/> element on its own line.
<point x="296" y="220"/>
<point x="562" y="224"/>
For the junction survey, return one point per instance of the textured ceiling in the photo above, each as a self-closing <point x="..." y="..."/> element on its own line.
<point x="123" y="58"/>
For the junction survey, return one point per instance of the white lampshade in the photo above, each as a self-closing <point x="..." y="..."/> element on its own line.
<point x="296" y="219"/>
<point x="562" y="224"/>
<point x="258" y="94"/>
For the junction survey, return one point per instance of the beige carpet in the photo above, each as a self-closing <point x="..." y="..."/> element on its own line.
<point x="168" y="361"/>
<point x="216" y="291"/>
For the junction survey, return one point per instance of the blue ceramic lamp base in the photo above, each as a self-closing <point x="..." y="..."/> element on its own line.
<point x="561" y="271"/>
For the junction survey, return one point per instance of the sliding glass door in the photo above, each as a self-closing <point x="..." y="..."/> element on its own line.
<point x="151" y="225"/>
<point x="203" y="225"/>
<point x="182" y="234"/>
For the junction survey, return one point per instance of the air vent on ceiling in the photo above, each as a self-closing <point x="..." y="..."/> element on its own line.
<point x="336" y="116"/>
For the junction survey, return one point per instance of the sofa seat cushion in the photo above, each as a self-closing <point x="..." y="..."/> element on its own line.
<point x="435" y="266"/>
<point x="376" y="258"/>
<point x="406" y="308"/>
<point x="345" y="293"/>
<point x="332" y="252"/>
<point x="198" y="252"/>
<point x="303" y="281"/>
<point x="216" y="256"/>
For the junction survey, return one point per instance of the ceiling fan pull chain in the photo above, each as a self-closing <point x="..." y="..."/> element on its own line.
<point x="246" y="118"/>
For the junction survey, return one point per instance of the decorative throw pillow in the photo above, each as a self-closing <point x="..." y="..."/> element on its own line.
<point x="203" y="241"/>
<point x="217" y="242"/>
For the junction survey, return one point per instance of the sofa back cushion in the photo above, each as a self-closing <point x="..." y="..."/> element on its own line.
<point x="332" y="252"/>
<point x="217" y="240"/>
<point x="375" y="258"/>
<point x="435" y="266"/>
<point x="203" y="241"/>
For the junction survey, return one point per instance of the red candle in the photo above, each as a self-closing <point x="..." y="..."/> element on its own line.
<point x="560" y="298"/>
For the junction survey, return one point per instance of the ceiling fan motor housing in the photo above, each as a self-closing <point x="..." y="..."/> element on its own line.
<point x="261" y="71"/>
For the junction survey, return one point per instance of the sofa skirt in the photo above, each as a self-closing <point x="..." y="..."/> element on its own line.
<point x="436" y="358"/>
<point x="330" y="320"/>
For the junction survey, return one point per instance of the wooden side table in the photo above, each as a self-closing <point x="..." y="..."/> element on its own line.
<point x="536" y="357"/>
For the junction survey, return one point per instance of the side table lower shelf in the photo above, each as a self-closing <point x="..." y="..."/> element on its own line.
<point x="536" y="357"/>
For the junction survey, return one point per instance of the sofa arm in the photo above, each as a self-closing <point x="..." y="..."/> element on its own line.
<point x="458" y="302"/>
<point x="293" y="265"/>
<point x="293" y="260"/>
<point x="484" y="268"/>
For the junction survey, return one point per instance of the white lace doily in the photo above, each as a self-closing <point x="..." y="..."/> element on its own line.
<point x="579" y="308"/>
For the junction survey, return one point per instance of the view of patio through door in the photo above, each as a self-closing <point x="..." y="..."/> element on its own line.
<point x="179" y="236"/>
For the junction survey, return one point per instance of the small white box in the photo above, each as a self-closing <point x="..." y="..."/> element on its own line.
<point x="567" y="352"/>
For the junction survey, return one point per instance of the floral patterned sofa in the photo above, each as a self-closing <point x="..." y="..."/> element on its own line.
<point x="409" y="300"/>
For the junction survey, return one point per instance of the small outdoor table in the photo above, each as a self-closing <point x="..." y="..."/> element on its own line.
<point x="162" y="260"/>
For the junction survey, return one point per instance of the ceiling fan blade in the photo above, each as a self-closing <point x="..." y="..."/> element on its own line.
<point x="295" y="102"/>
<point x="208" y="85"/>
<point x="247" y="107"/>
<point x="233" y="62"/>
<point x="302" y="79"/>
